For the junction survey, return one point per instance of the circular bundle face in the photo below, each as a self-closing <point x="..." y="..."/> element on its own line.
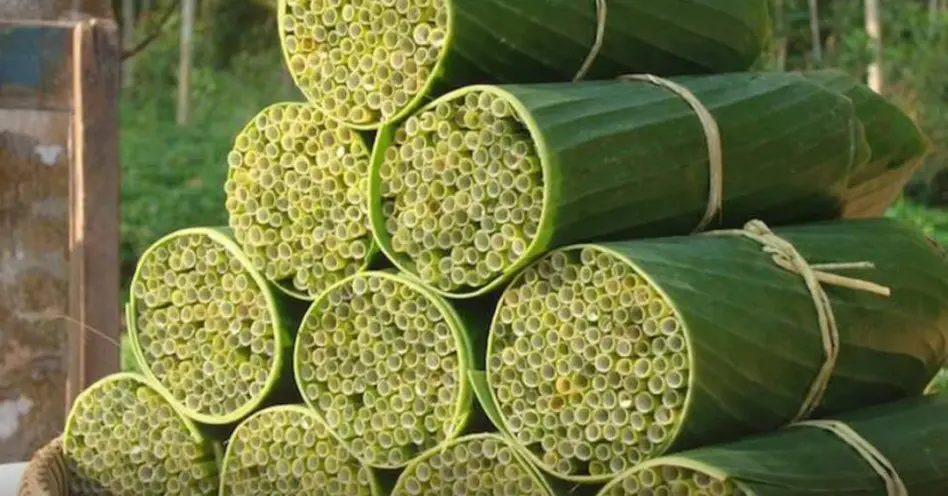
<point x="288" y="451"/>
<point x="461" y="192"/>
<point x="588" y="364"/>
<point x="670" y="480"/>
<point x="123" y="437"/>
<point x="481" y="464"/>
<point x="205" y="325"/>
<point x="384" y="362"/>
<point x="296" y="198"/>
<point x="363" y="62"/>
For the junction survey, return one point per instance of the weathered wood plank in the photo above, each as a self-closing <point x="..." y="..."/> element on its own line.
<point x="94" y="262"/>
<point x="58" y="223"/>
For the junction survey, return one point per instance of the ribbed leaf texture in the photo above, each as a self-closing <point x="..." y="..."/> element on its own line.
<point x="369" y="63"/>
<point x="634" y="349"/>
<point x="805" y="460"/>
<point x="209" y="328"/>
<point x="486" y="179"/>
<point x="895" y="142"/>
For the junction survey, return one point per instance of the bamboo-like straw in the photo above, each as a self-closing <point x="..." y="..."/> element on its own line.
<point x="614" y="386"/>
<point x="383" y="361"/>
<point x="289" y="450"/>
<point x="296" y="198"/>
<point x="206" y="326"/>
<point x="488" y="188"/>
<point x="122" y="436"/>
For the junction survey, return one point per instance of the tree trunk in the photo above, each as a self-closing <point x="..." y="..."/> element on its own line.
<point x="128" y="40"/>
<point x="184" y="68"/>
<point x="934" y="12"/>
<point x="815" y="32"/>
<point x="781" y="42"/>
<point x="876" y="75"/>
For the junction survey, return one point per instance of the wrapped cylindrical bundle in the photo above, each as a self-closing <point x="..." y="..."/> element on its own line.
<point x="473" y="464"/>
<point x="122" y="436"/>
<point x="895" y="142"/>
<point x="385" y="362"/>
<point x="296" y="197"/>
<point x="371" y="63"/>
<point x="895" y="449"/>
<point x="287" y="450"/>
<point x="484" y="180"/>
<point x="602" y="356"/>
<point x="208" y="328"/>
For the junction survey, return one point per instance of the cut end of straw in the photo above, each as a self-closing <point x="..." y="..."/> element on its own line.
<point x="462" y="192"/>
<point x="296" y="197"/>
<point x="363" y="62"/>
<point x="379" y="361"/>
<point x="284" y="451"/>
<point x="588" y="363"/>
<point x="203" y="325"/>
<point x="125" y="438"/>
<point x="671" y="481"/>
<point x="471" y="465"/>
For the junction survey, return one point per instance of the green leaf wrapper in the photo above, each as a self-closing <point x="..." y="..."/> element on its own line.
<point x="675" y="343"/>
<point x="209" y="328"/>
<point x="803" y="460"/>
<point x="372" y="63"/>
<point x="486" y="179"/>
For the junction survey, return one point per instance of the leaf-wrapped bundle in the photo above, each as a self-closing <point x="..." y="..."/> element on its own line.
<point x="288" y="450"/>
<point x="895" y="141"/>
<point x="384" y="361"/>
<point x="296" y="199"/>
<point x="371" y="63"/>
<point x="803" y="460"/>
<point x="635" y="349"/>
<point x="485" y="179"/>
<point x="122" y="436"/>
<point x="209" y="328"/>
<point x="478" y="464"/>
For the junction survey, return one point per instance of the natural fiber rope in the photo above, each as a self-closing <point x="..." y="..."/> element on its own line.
<point x="788" y="258"/>
<point x="602" y="12"/>
<point x="713" y="135"/>
<point x="46" y="474"/>
<point x="893" y="483"/>
<point x="710" y="125"/>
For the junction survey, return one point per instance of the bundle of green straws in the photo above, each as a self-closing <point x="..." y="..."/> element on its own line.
<point x="538" y="247"/>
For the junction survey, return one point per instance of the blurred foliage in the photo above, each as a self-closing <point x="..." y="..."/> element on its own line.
<point x="915" y="62"/>
<point x="172" y="176"/>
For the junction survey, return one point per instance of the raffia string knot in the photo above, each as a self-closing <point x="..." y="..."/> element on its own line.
<point x="786" y="256"/>
<point x="879" y="463"/>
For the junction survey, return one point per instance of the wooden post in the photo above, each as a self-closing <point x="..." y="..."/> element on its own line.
<point x="184" y="68"/>
<point x="781" y="42"/>
<point x="815" y="37"/>
<point x="59" y="218"/>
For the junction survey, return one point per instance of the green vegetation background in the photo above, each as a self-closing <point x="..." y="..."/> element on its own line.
<point x="172" y="176"/>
